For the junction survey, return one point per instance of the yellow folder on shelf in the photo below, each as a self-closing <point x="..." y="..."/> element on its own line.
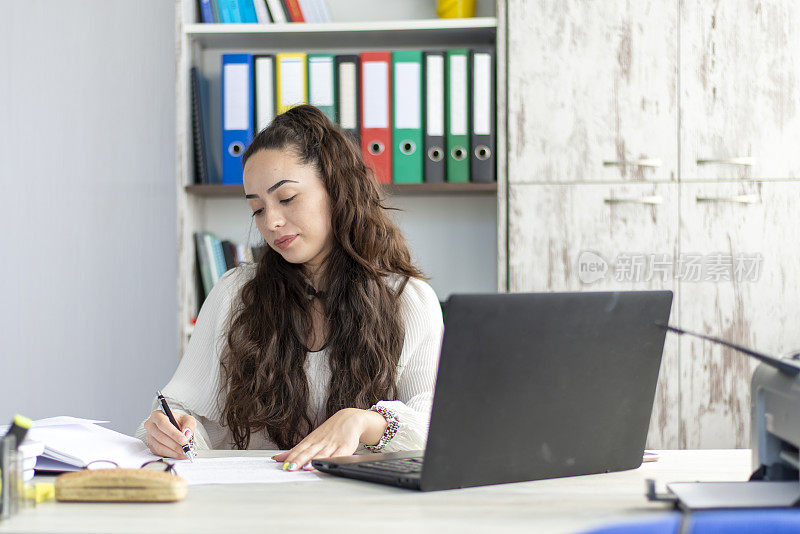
<point x="291" y="76"/>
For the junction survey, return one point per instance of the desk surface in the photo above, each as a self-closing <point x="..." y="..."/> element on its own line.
<point x="341" y="505"/>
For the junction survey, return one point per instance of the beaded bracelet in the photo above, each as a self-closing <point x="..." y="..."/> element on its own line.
<point x="391" y="428"/>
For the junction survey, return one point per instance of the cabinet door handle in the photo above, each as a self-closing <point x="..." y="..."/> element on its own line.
<point x="647" y="200"/>
<point x="643" y="162"/>
<point x="738" y="199"/>
<point x="746" y="161"/>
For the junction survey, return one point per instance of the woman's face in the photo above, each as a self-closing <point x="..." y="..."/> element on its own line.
<point x="290" y="206"/>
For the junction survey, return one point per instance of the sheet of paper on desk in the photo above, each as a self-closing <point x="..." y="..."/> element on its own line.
<point x="238" y="470"/>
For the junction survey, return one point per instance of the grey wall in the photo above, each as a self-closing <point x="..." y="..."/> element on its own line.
<point x="87" y="208"/>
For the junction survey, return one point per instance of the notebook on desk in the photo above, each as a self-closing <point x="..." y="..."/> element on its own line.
<point x="533" y="386"/>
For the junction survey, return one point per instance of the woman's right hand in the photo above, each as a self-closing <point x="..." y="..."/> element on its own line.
<point x="166" y="440"/>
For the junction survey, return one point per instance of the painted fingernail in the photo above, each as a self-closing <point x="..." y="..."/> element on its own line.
<point x="308" y="467"/>
<point x="292" y="466"/>
<point x="286" y="466"/>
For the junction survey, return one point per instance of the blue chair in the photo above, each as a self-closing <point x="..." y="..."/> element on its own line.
<point x="777" y="521"/>
<point x="663" y="524"/>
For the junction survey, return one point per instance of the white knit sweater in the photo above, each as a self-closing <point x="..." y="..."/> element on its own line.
<point x="196" y="385"/>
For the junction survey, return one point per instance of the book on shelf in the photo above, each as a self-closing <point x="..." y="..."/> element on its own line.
<point x="262" y="11"/>
<point x="277" y="11"/>
<point x="206" y="10"/>
<point x="315" y="10"/>
<point x="205" y="171"/>
<point x="215" y="257"/>
<point x="228" y="11"/>
<point x="293" y="8"/>
<point x="430" y="115"/>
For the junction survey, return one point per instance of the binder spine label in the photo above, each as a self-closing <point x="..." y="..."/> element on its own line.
<point x="236" y="77"/>
<point x="458" y="98"/>
<point x="376" y="77"/>
<point x="347" y="103"/>
<point x="482" y="95"/>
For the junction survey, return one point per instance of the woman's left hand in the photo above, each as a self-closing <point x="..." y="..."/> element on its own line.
<point x="340" y="435"/>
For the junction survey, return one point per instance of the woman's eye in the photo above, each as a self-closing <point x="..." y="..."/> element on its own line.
<point x="287" y="200"/>
<point x="258" y="212"/>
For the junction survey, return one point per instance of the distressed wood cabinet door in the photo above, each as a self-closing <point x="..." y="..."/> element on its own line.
<point x="740" y="89"/>
<point x="590" y="237"/>
<point x="592" y="81"/>
<point x="759" y="308"/>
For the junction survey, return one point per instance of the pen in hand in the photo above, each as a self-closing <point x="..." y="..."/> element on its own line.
<point x="186" y="448"/>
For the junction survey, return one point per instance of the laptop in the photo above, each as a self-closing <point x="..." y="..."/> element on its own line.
<point x="533" y="386"/>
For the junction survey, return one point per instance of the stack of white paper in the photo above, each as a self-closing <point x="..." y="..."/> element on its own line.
<point x="71" y="443"/>
<point x="29" y="449"/>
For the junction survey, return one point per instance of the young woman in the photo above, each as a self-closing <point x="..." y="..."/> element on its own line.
<point x="331" y="341"/>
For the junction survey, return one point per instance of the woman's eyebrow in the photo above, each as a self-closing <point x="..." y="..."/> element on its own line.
<point x="273" y="188"/>
<point x="276" y="186"/>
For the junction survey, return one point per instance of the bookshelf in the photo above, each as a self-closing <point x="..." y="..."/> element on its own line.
<point x="221" y="208"/>
<point x="366" y="34"/>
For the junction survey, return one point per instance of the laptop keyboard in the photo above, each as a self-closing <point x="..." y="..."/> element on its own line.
<point x="399" y="465"/>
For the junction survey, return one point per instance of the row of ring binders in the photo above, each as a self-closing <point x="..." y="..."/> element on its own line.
<point x="419" y="116"/>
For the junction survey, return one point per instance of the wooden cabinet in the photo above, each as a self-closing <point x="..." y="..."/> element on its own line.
<point x="591" y="237"/>
<point x="552" y="225"/>
<point x="592" y="90"/>
<point x="746" y="291"/>
<point x="740" y="90"/>
<point x="592" y="81"/>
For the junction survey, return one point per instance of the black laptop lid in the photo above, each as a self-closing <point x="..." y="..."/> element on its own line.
<point x="546" y="385"/>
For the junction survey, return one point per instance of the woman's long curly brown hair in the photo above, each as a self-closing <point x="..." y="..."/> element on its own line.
<point x="262" y="362"/>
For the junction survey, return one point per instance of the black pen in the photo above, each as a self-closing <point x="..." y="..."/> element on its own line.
<point x="186" y="448"/>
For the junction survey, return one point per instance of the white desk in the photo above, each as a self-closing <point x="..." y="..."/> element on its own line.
<point x="340" y="505"/>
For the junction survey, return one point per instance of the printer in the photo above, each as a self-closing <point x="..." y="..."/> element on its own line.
<point x="775" y="441"/>
<point x="775" y="418"/>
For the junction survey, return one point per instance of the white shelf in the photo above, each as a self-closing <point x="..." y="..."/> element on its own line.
<point x="380" y="34"/>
